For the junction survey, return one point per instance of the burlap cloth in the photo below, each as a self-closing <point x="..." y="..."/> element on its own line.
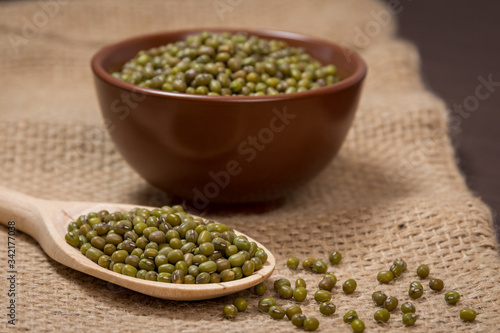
<point x="393" y="191"/>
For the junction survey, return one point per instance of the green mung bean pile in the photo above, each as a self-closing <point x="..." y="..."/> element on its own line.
<point x="225" y="64"/>
<point x="168" y="245"/>
<point x="323" y="296"/>
<point x="165" y="244"/>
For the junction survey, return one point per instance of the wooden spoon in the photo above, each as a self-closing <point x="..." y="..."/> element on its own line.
<point x="47" y="221"/>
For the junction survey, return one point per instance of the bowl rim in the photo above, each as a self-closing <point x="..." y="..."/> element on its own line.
<point x="357" y="76"/>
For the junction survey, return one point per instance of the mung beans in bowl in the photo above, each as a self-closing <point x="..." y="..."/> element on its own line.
<point x="228" y="115"/>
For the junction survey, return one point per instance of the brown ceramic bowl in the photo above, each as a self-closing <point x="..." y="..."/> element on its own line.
<point x="234" y="148"/>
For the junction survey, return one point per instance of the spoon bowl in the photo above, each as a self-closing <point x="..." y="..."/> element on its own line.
<point x="46" y="221"/>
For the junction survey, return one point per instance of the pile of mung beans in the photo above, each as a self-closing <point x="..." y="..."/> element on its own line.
<point x="284" y="290"/>
<point x="165" y="244"/>
<point x="225" y="64"/>
<point x="168" y="245"/>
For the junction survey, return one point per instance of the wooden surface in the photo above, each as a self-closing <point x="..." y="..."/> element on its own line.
<point x="46" y="221"/>
<point x="459" y="41"/>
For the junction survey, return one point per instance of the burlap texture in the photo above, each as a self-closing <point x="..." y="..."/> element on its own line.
<point x="393" y="191"/>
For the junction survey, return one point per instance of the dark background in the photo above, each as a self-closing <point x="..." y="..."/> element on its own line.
<point x="459" y="40"/>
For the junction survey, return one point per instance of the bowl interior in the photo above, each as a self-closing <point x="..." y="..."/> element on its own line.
<point x="350" y="66"/>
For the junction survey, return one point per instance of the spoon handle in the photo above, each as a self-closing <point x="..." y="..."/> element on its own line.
<point x="22" y="209"/>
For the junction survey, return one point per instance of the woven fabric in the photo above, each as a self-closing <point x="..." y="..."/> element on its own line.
<point x="393" y="191"/>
